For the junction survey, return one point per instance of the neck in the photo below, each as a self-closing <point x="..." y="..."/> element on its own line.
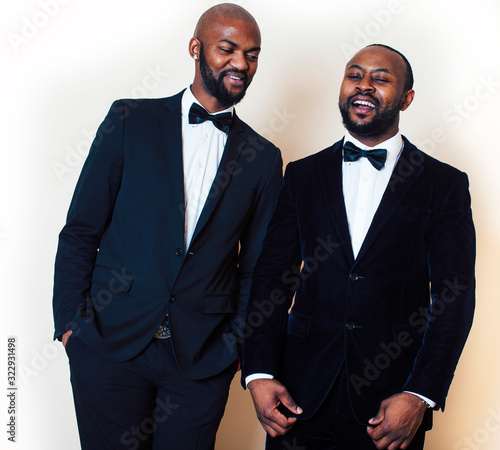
<point x="210" y="103"/>
<point x="372" y="141"/>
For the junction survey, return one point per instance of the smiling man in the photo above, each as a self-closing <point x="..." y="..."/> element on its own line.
<point x="385" y="297"/>
<point x="154" y="264"/>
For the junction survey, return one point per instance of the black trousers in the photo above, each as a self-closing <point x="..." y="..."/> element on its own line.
<point x="333" y="427"/>
<point x="145" y="403"/>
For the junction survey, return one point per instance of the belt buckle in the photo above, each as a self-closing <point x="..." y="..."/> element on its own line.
<point x="163" y="331"/>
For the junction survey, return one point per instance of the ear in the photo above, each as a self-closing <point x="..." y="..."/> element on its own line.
<point x="407" y="99"/>
<point x="194" y="47"/>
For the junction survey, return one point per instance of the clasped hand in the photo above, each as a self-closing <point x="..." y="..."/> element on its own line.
<point x="397" y="421"/>
<point x="267" y="396"/>
<point x="393" y="428"/>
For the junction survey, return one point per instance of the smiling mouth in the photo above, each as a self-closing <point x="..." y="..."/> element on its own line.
<point x="363" y="103"/>
<point x="236" y="80"/>
<point x="362" y="107"/>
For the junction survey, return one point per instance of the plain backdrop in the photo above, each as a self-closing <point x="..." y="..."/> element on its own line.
<point x="65" y="61"/>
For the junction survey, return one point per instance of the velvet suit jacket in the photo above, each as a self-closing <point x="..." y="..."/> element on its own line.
<point x="372" y="315"/>
<point x="121" y="264"/>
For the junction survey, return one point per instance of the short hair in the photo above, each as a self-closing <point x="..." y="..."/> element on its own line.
<point x="409" y="72"/>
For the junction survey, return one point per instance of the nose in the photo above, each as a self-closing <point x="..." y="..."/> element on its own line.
<point x="239" y="61"/>
<point x="365" y="85"/>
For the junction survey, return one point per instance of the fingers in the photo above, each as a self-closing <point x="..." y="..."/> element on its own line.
<point x="386" y="444"/>
<point x="268" y="395"/>
<point x="276" y="424"/>
<point x="396" y="423"/>
<point x="65" y="336"/>
<point x="287" y="401"/>
<point x="374" y="431"/>
<point x="377" y="420"/>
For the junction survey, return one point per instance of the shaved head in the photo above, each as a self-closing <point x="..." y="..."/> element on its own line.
<point x="219" y="13"/>
<point x="225" y="48"/>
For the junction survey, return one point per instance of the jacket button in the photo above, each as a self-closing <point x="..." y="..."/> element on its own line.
<point x="178" y="252"/>
<point x="354" y="277"/>
<point x="172" y="299"/>
<point x="350" y="326"/>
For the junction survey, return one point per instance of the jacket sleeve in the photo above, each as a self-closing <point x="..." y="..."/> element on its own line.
<point x="252" y="238"/>
<point x="89" y="213"/>
<point x="271" y="293"/>
<point x="451" y="260"/>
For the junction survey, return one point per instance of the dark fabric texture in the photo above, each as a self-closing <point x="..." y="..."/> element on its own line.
<point x="334" y="427"/>
<point x="145" y="403"/>
<point x="121" y="264"/>
<point x="397" y="316"/>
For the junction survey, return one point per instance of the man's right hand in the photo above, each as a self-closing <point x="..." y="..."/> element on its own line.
<point x="65" y="336"/>
<point x="267" y="395"/>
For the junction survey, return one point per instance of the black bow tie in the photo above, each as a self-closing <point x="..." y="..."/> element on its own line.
<point x="198" y="114"/>
<point x="376" y="156"/>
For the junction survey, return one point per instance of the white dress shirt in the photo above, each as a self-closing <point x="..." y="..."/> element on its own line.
<point x="363" y="187"/>
<point x="202" y="148"/>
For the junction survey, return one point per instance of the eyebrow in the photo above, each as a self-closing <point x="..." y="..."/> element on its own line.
<point x="380" y="69"/>
<point x="253" y="49"/>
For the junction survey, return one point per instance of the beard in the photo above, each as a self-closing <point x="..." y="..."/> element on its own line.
<point x="216" y="87"/>
<point x="381" y="122"/>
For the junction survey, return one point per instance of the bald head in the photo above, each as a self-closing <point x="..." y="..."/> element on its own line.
<point x="222" y="13"/>
<point x="225" y="48"/>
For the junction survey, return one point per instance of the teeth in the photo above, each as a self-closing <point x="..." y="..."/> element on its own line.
<point x="363" y="103"/>
<point x="235" y="78"/>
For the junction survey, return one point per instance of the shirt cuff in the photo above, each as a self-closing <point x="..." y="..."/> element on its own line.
<point x="425" y="399"/>
<point x="256" y="376"/>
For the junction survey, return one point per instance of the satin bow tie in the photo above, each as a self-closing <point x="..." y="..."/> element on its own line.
<point x="376" y="156"/>
<point x="198" y="114"/>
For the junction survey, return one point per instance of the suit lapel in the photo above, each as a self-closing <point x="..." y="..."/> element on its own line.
<point x="170" y="124"/>
<point x="404" y="175"/>
<point x="330" y="170"/>
<point x="232" y="151"/>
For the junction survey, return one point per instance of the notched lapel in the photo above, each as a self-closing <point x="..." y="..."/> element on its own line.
<point x="232" y="152"/>
<point x="330" y="170"/>
<point x="405" y="174"/>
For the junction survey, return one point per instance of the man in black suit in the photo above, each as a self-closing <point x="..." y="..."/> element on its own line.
<point x="385" y="297"/>
<point x="154" y="264"/>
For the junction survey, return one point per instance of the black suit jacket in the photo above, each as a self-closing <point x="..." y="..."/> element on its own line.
<point x="121" y="264"/>
<point x="372" y="315"/>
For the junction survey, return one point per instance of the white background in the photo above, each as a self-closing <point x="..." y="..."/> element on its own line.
<point x="65" y="62"/>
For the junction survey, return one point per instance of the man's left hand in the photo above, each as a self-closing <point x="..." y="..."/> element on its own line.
<point x="397" y="421"/>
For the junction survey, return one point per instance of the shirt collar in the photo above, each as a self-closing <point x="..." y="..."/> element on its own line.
<point x="188" y="99"/>
<point x="393" y="145"/>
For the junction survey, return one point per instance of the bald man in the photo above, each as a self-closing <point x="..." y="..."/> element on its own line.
<point x="154" y="263"/>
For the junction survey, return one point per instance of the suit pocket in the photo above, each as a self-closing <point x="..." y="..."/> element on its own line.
<point x="219" y="305"/>
<point x="69" y="344"/>
<point x="298" y="324"/>
<point x="115" y="280"/>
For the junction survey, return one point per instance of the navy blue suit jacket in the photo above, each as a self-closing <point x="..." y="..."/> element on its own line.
<point x="371" y="315"/>
<point x="121" y="264"/>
